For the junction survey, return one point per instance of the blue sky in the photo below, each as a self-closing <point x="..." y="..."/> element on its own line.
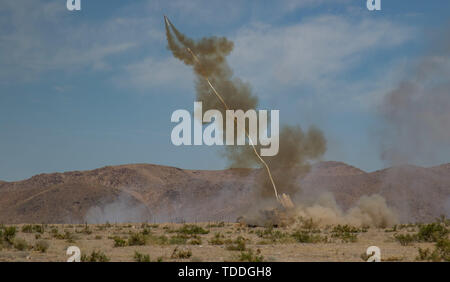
<point x="85" y="89"/>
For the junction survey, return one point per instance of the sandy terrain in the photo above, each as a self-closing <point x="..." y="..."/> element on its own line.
<point x="209" y="242"/>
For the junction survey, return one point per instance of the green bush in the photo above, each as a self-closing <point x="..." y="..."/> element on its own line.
<point x="271" y="234"/>
<point x="443" y="249"/>
<point x="38" y="228"/>
<point x="181" y="253"/>
<point x="196" y="240"/>
<point x="137" y="239"/>
<point x="85" y="230"/>
<point x="441" y="252"/>
<point x="157" y="240"/>
<point x="68" y="236"/>
<point x="249" y="256"/>
<point x="218" y="239"/>
<point x="405" y="240"/>
<point x="432" y="232"/>
<point x="95" y="256"/>
<point x="33" y="228"/>
<point x="180" y="239"/>
<point x="346" y="233"/>
<point x="138" y="257"/>
<point x="119" y="242"/>
<point x="8" y="234"/>
<point x="191" y="229"/>
<point x="41" y="246"/>
<point x="20" y="244"/>
<point x="238" y="244"/>
<point x="27" y="228"/>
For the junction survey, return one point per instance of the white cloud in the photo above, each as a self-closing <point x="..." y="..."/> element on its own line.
<point x="151" y="73"/>
<point x="314" y="54"/>
<point x="39" y="36"/>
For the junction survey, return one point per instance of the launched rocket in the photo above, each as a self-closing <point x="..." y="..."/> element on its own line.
<point x="284" y="200"/>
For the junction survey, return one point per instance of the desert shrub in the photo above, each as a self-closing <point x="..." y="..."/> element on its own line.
<point x="8" y="234"/>
<point x="432" y="232"/>
<point x="405" y="240"/>
<point x="95" y="256"/>
<point x="271" y="234"/>
<point x="38" y="228"/>
<point x="158" y="240"/>
<point x="41" y="246"/>
<point x="98" y="237"/>
<point x="27" y="228"/>
<point x="441" y="252"/>
<point x="426" y="254"/>
<point x="239" y="244"/>
<point x="181" y="253"/>
<point x="146" y="231"/>
<point x="196" y="240"/>
<point x="218" y="239"/>
<point x="393" y="229"/>
<point x="137" y="239"/>
<point x="191" y="229"/>
<point x="20" y="244"/>
<point x="179" y="239"/>
<point x="346" y="233"/>
<point x="119" y="242"/>
<point x="443" y="249"/>
<point x="68" y="236"/>
<point x="85" y="230"/>
<point x="138" y="257"/>
<point x="307" y="237"/>
<point x="250" y="256"/>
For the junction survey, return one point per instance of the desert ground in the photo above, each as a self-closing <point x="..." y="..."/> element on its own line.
<point x="221" y="241"/>
<point x="57" y="206"/>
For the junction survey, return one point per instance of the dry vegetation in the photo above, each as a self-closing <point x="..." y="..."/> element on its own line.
<point x="221" y="241"/>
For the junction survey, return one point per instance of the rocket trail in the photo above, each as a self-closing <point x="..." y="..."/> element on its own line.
<point x="284" y="199"/>
<point x="246" y="131"/>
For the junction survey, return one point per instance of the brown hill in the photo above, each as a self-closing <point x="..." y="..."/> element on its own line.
<point x="144" y="192"/>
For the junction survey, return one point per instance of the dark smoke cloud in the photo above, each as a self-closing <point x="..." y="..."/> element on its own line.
<point x="297" y="147"/>
<point x="417" y="111"/>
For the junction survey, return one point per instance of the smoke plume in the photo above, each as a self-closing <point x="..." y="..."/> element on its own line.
<point x="368" y="211"/>
<point x="417" y="110"/>
<point x="123" y="209"/>
<point x="296" y="148"/>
